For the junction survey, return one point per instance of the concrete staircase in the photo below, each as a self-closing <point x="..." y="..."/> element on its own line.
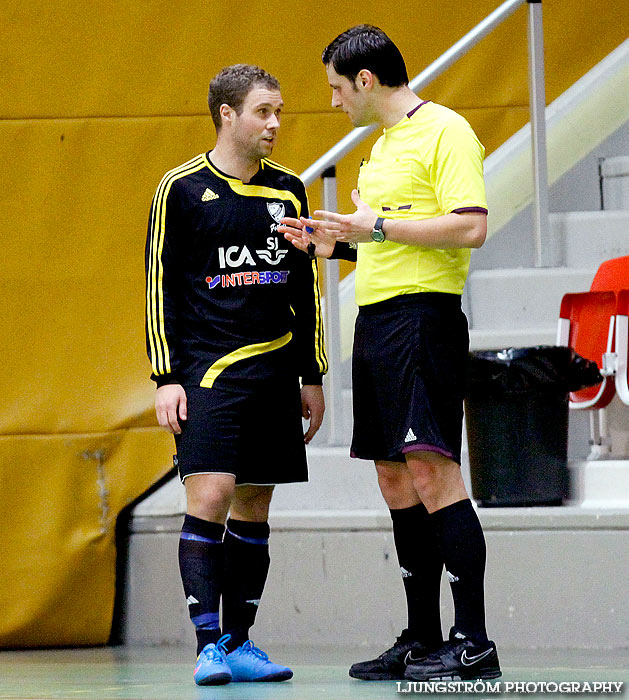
<point x="519" y="306"/>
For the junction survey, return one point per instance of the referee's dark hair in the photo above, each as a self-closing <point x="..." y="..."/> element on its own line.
<point x="366" y="47"/>
<point x="232" y="85"/>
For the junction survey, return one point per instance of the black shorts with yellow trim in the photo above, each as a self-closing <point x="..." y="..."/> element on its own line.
<point x="252" y="431"/>
<point x="408" y="377"/>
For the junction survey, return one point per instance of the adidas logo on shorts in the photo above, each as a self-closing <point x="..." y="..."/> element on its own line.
<point x="410" y="436"/>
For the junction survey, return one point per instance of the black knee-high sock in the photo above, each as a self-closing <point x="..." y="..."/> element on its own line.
<point x="463" y="545"/>
<point x="201" y="563"/>
<point x="246" y="567"/>
<point x="421" y="564"/>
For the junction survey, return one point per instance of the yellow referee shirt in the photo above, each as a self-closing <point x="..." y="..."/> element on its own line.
<point x="427" y="165"/>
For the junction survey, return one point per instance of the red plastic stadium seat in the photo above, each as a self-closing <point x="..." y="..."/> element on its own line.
<point x="586" y="323"/>
<point x="612" y="276"/>
<point x="622" y="345"/>
<point x="596" y="325"/>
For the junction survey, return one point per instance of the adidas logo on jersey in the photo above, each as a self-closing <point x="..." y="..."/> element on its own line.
<point x="191" y="600"/>
<point x="405" y="572"/>
<point x="451" y="577"/>
<point x="410" y="436"/>
<point x="208" y="195"/>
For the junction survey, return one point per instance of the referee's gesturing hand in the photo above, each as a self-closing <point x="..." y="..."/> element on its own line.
<point x="350" y="228"/>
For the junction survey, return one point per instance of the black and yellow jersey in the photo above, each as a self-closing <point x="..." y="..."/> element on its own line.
<point x="227" y="298"/>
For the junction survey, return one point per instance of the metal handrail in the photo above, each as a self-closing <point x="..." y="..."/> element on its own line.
<point x="434" y="70"/>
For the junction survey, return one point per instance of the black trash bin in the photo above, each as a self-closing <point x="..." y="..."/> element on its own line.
<point x="516" y="413"/>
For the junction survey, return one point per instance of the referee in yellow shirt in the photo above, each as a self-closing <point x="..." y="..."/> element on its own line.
<point x="420" y="208"/>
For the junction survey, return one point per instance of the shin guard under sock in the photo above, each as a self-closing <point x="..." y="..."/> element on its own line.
<point x="421" y="564"/>
<point x="460" y="534"/>
<point x="201" y="563"/>
<point x="246" y="567"/>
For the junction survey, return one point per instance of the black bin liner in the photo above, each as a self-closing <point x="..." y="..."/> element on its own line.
<point x="516" y="413"/>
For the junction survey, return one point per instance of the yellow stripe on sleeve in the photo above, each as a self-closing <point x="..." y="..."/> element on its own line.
<point x="322" y="360"/>
<point x="160" y="354"/>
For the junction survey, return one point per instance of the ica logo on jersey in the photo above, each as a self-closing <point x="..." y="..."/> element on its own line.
<point x="236" y="256"/>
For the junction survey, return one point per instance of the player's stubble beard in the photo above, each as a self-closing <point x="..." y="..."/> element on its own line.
<point x="255" y="150"/>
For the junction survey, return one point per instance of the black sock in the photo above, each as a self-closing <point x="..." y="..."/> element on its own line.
<point x="421" y="564"/>
<point x="463" y="545"/>
<point x="246" y="567"/>
<point x="201" y="564"/>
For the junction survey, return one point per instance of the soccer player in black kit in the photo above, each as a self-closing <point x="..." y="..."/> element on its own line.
<point x="235" y="339"/>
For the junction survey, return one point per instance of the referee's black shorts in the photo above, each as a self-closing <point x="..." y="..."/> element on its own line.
<point x="254" y="433"/>
<point x="408" y="377"/>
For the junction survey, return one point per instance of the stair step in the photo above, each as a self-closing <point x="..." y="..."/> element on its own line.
<point x="587" y="238"/>
<point x="525" y="298"/>
<point x="600" y="484"/>
<point x="496" y="339"/>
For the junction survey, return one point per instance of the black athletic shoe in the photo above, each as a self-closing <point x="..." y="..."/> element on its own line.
<point x="391" y="664"/>
<point x="459" y="659"/>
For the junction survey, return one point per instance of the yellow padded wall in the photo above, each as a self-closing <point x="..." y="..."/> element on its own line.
<point x="99" y="100"/>
<point x="61" y="495"/>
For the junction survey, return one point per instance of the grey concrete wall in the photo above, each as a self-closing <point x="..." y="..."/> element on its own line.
<point x="556" y="578"/>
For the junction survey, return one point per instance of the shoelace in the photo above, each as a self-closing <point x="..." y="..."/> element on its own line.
<point x="222" y="642"/>
<point x="250" y="646"/>
<point x="399" y="641"/>
<point x="220" y="648"/>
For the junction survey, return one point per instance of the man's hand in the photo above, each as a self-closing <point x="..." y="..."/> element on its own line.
<point x="301" y="233"/>
<point x="171" y="404"/>
<point x="351" y="228"/>
<point x="313" y="408"/>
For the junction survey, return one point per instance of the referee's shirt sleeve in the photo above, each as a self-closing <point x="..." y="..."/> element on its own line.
<point x="458" y="171"/>
<point x="306" y="304"/>
<point x="161" y="266"/>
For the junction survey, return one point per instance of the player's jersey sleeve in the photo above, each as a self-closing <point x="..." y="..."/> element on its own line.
<point x="344" y="251"/>
<point x="306" y="304"/>
<point x="161" y="262"/>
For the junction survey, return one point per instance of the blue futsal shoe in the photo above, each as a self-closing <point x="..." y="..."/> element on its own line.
<point x="248" y="663"/>
<point x="212" y="667"/>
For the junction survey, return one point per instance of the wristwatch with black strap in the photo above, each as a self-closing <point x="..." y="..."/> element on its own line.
<point x="377" y="233"/>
